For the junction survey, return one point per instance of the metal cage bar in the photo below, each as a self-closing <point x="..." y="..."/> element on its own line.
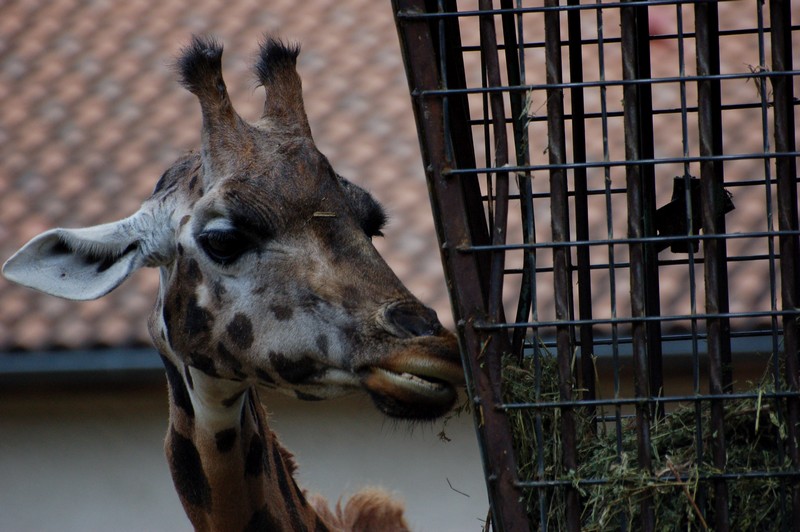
<point x="441" y="119"/>
<point x="786" y="170"/>
<point x="552" y="134"/>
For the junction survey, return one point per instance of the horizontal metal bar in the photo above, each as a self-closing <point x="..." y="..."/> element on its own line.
<point x="485" y="326"/>
<point x="765" y="74"/>
<point x="412" y="15"/>
<point x="621" y="190"/>
<point x="754" y="475"/>
<point x="622" y="163"/>
<point x="619" y="114"/>
<point x="670" y="262"/>
<point x="643" y="401"/>
<point x="622" y="342"/>
<point x="659" y="37"/>
<point x="624" y="241"/>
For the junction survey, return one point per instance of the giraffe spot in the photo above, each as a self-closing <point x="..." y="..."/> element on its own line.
<point x="219" y="290"/>
<point x="254" y="461"/>
<point x="225" y="439"/>
<point x="180" y="249"/>
<point x="282" y="312"/>
<point x="306" y="396"/>
<point x="178" y="391"/>
<point x="185" y="220"/>
<point x="240" y="331"/>
<point x="322" y="344"/>
<point x="166" y="314"/>
<point x="161" y="182"/>
<point x="294" y="371"/>
<point x="227" y="358"/>
<point x="190" y="480"/>
<point x="311" y="301"/>
<point x="349" y="302"/>
<point x="204" y="363"/>
<point x="349" y="331"/>
<point x="289" y="490"/>
<point x="230" y="401"/>
<point x="169" y="179"/>
<point x="191" y="272"/>
<point x="197" y="320"/>
<point x="265" y="377"/>
<point x="193" y="182"/>
<point x="262" y="520"/>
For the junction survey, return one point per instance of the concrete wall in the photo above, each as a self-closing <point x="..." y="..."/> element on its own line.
<point x="92" y="459"/>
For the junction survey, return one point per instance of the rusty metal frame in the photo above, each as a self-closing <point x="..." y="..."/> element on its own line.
<point x="429" y="68"/>
<point x="472" y="223"/>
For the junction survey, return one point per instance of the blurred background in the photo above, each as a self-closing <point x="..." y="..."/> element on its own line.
<point x="90" y="116"/>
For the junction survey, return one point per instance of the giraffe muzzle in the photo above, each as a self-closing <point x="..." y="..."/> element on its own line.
<point x="418" y="381"/>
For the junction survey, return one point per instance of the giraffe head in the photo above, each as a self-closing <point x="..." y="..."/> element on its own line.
<point x="268" y="274"/>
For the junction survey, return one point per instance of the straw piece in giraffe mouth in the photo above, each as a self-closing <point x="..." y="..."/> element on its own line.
<point x="426" y="385"/>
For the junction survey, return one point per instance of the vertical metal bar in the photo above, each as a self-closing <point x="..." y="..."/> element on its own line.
<point x="636" y="229"/>
<point x="586" y="333"/>
<point x="447" y="40"/>
<point x="775" y="322"/>
<point x="612" y="282"/>
<point x="561" y="254"/>
<point x="716" y="279"/>
<point x="449" y="197"/>
<point x="786" y="174"/>
<point x="647" y="150"/>
<point x="700" y="496"/>
<point x="515" y="65"/>
<point x="498" y="116"/>
<point x="515" y="68"/>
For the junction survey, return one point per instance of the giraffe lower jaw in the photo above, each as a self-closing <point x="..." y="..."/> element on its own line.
<point x="408" y="396"/>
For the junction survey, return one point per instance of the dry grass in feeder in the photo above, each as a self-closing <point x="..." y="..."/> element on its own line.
<point x="680" y="483"/>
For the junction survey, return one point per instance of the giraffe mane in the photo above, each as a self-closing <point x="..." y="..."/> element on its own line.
<point x="369" y="509"/>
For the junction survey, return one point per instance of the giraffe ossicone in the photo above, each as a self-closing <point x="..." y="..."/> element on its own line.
<point x="269" y="279"/>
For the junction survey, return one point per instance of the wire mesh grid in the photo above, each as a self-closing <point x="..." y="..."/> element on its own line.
<point x="614" y="186"/>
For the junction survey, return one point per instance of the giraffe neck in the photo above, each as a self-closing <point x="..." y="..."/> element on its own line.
<point x="229" y="469"/>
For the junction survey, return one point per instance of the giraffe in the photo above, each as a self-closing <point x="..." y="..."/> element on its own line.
<point x="268" y="280"/>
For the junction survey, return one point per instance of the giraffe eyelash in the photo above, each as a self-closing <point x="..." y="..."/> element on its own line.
<point x="224" y="246"/>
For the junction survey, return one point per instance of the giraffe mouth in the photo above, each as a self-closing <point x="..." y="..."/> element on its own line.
<point x="413" y="387"/>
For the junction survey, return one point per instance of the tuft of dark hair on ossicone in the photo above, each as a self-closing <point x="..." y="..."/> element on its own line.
<point x="274" y="57"/>
<point x="199" y="65"/>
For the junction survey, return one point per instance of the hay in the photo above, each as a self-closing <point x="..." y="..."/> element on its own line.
<point x="682" y="496"/>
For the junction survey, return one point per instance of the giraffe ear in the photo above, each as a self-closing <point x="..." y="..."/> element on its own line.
<point x="79" y="264"/>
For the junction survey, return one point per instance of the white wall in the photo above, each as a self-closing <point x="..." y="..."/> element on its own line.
<point x="86" y="460"/>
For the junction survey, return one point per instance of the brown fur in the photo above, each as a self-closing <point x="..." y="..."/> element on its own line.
<point x="369" y="510"/>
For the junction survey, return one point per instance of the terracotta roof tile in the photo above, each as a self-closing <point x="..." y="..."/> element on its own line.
<point x="92" y="116"/>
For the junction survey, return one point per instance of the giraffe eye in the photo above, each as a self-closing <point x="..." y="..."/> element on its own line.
<point x="224" y="247"/>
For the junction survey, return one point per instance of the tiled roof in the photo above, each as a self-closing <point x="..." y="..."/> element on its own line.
<point x="91" y="116"/>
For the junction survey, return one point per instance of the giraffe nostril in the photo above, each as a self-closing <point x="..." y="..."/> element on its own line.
<point x="411" y="320"/>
